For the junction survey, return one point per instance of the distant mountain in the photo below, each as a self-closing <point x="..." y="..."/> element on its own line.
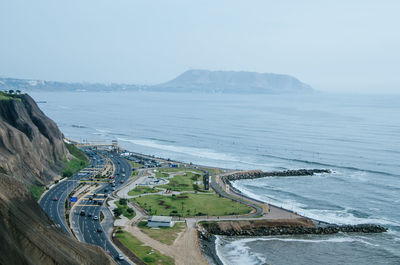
<point x="233" y="82"/>
<point x="190" y="81"/>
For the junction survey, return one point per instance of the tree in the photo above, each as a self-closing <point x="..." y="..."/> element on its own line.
<point x="130" y="210"/>
<point x="67" y="173"/>
<point x="117" y="212"/>
<point x="123" y="201"/>
<point x="11" y="91"/>
<point x="18" y="91"/>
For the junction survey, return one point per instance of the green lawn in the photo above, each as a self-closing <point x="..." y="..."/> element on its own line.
<point x="125" y="210"/>
<point x="77" y="163"/>
<point x="134" y="173"/>
<point x="8" y="96"/>
<point x="36" y="191"/>
<point x="184" y="182"/>
<point x="161" y="174"/>
<point x="190" y="204"/>
<point x="142" y="190"/>
<point x="166" y="235"/>
<point x="135" y="165"/>
<point x="145" y="253"/>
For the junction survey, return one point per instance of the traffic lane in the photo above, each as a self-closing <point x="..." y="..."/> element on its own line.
<point x="90" y="234"/>
<point x="88" y="227"/>
<point x="55" y="208"/>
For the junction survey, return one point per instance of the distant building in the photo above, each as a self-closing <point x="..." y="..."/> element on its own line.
<point x="206" y="181"/>
<point x="155" y="221"/>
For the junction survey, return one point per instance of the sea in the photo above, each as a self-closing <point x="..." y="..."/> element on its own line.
<point x="356" y="136"/>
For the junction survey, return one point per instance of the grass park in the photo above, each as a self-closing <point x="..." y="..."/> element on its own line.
<point x="142" y="190"/>
<point x="186" y="182"/>
<point x="190" y="204"/>
<point x="135" y="165"/>
<point x="145" y="253"/>
<point x="121" y="204"/>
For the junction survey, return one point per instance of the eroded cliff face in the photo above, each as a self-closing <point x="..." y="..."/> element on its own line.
<point x="32" y="151"/>
<point x="31" y="145"/>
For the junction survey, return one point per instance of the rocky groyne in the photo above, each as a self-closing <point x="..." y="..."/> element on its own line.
<point x="283" y="227"/>
<point x="208" y="247"/>
<point x="261" y="174"/>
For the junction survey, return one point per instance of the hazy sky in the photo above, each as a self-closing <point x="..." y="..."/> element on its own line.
<point x="342" y="45"/>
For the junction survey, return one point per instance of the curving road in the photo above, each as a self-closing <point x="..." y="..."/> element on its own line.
<point x="86" y="228"/>
<point x="53" y="201"/>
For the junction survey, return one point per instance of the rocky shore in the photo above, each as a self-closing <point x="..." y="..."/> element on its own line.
<point x="208" y="247"/>
<point x="282" y="227"/>
<point x="261" y="174"/>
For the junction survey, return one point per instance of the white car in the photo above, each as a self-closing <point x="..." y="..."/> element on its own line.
<point x="120" y="257"/>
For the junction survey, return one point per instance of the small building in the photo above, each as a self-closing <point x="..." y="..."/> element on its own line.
<point x="206" y="181"/>
<point x="155" y="221"/>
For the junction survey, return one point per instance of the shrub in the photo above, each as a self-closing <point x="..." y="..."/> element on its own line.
<point x="148" y="259"/>
<point x="123" y="201"/>
<point x="117" y="212"/>
<point x="67" y="173"/>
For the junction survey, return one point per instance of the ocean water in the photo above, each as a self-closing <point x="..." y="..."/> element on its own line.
<point x="357" y="136"/>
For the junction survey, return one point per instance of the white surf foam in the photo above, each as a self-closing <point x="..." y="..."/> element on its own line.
<point x="236" y="252"/>
<point x="330" y="216"/>
<point x="192" y="151"/>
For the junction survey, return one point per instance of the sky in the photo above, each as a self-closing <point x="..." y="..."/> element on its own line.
<point x="342" y="45"/>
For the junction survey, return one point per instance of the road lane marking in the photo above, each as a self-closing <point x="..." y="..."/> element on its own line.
<point x="88" y="205"/>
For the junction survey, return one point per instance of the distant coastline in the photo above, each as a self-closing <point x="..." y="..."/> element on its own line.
<point x="202" y="81"/>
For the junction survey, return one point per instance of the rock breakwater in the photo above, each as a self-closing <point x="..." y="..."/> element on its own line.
<point x="261" y="174"/>
<point x="283" y="227"/>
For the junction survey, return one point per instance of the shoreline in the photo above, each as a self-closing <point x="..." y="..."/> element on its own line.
<point x="208" y="247"/>
<point x="207" y="241"/>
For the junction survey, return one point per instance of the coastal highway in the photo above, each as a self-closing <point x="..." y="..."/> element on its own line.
<point x="53" y="201"/>
<point x="84" y="226"/>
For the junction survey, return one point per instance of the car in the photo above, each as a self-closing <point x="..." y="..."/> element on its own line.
<point x="105" y="190"/>
<point x="113" y="185"/>
<point x="122" y="181"/>
<point x="89" y="215"/>
<point x="94" y="195"/>
<point x="123" y="175"/>
<point x="90" y="198"/>
<point x="82" y="213"/>
<point x="95" y="218"/>
<point x="55" y="198"/>
<point x="113" y="189"/>
<point x="99" y="230"/>
<point x="120" y="257"/>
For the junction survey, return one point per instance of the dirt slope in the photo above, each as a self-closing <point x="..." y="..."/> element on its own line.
<point x="32" y="151"/>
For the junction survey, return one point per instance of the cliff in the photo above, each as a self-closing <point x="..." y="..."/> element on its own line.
<point x="32" y="151"/>
<point x="233" y="82"/>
